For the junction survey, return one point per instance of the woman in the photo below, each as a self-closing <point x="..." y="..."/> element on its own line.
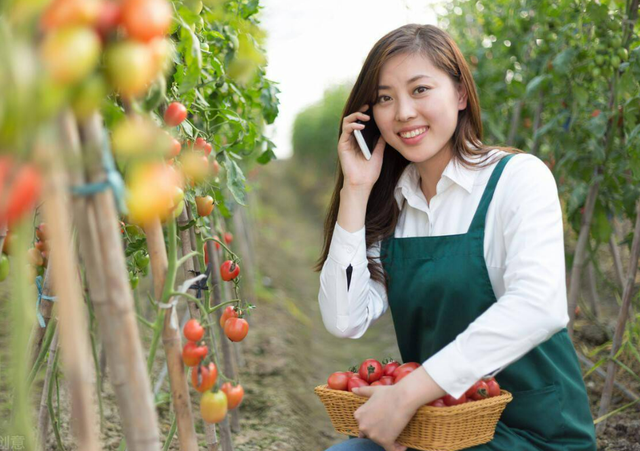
<point x="462" y="241"/>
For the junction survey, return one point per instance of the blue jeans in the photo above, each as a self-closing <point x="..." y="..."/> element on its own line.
<point x="356" y="444"/>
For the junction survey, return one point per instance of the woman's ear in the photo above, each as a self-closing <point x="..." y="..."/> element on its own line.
<point x="462" y="97"/>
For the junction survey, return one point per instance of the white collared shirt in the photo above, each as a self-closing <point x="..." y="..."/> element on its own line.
<point x="523" y="251"/>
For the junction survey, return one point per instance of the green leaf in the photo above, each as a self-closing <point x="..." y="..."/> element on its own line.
<point x="235" y="180"/>
<point x="562" y="61"/>
<point x="536" y="84"/>
<point x="595" y="367"/>
<point x="266" y="156"/>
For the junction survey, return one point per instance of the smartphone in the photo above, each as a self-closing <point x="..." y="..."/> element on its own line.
<point x="367" y="137"/>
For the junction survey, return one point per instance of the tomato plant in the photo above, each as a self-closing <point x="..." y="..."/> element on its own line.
<point x="213" y="406"/>
<point x="234" y="394"/>
<point x="236" y="328"/>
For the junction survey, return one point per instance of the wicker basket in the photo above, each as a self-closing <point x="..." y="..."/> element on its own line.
<point x="432" y="428"/>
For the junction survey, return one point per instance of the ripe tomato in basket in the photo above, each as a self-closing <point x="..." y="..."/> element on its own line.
<point x="386" y="380"/>
<point x="493" y="387"/>
<point x="481" y="391"/>
<point x="451" y="401"/>
<point x="437" y="403"/>
<point x="370" y="370"/>
<point x="356" y="382"/>
<point x="338" y="381"/>
<point x="404" y="370"/>
<point x="389" y="368"/>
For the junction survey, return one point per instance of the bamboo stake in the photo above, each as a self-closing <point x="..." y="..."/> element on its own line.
<point x="170" y="332"/>
<point x="607" y="391"/>
<point x="593" y="291"/>
<point x="105" y="266"/>
<point x="615" y="252"/>
<point x="43" y="416"/>
<point x="74" y="337"/>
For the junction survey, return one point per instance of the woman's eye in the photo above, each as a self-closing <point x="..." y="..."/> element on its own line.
<point x="419" y="87"/>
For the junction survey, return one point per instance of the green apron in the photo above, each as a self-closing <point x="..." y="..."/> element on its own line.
<point x="438" y="285"/>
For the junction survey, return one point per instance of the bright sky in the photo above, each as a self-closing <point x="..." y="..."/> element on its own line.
<point x="315" y="44"/>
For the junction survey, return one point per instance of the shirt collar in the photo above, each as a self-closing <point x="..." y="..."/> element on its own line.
<point x="409" y="182"/>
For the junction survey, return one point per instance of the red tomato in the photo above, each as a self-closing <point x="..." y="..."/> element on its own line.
<point x="108" y="18"/>
<point x="207" y="149"/>
<point x="338" y="381"/>
<point x="213" y="406"/>
<point x="206" y="375"/>
<point x="437" y="403"/>
<point x="493" y="387"/>
<point x="451" y="401"/>
<point x="215" y="167"/>
<point x="146" y="19"/>
<point x="481" y="391"/>
<point x="216" y="242"/>
<point x="389" y="368"/>
<point x="351" y="374"/>
<point x="370" y="370"/>
<point x="234" y="394"/>
<point x="175" y="114"/>
<point x="403" y="370"/>
<point x="356" y="382"/>
<point x="376" y="383"/>
<point x="229" y="270"/>
<point x="386" y="380"/>
<point x="229" y="312"/>
<point x="236" y="328"/>
<point x="228" y="237"/>
<point x="41" y="231"/>
<point x="22" y="195"/>
<point x="176" y="147"/>
<point x="193" y="331"/>
<point x="62" y="13"/>
<point x="471" y="390"/>
<point x="200" y="143"/>
<point x="192" y="354"/>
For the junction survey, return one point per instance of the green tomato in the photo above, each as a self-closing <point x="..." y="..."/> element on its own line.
<point x="623" y="54"/>
<point x="133" y="280"/>
<point x="4" y="267"/>
<point x="595" y="72"/>
<point x="599" y="60"/>
<point x="615" y="62"/>
<point x="142" y="259"/>
<point x="194" y="5"/>
<point x="616" y="42"/>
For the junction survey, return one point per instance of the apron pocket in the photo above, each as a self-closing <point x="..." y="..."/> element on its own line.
<point x="537" y="411"/>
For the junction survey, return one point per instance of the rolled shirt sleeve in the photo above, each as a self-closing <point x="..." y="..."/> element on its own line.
<point x="349" y="305"/>
<point x="534" y="305"/>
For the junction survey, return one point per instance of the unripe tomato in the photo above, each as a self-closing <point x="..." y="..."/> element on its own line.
<point x="89" y="96"/>
<point x="194" y="5"/>
<point x="228" y="237"/>
<point x="70" y="54"/>
<point x="370" y="370"/>
<point x="213" y="406"/>
<point x="146" y="19"/>
<point x="151" y="192"/>
<point x="129" y="67"/>
<point x="175" y="114"/>
<point x="133" y="280"/>
<point x="4" y="267"/>
<point x="192" y="354"/>
<point x="229" y="270"/>
<point x="234" y="394"/>
<point x="205" y="205"/>
<point x="138" y="135"/>
<point x="193" y="330"/>
<point x="338" y="381"/>
<point x="236" y="328"/>
<point x="141" y="259"/>
<point x="229" y="312"/>
<point x="206" y="375"/>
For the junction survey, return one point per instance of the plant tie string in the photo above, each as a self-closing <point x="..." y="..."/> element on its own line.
<point x="41" y="296"/>
<point x="201" y="285"/>
<point x="113" y="179"/>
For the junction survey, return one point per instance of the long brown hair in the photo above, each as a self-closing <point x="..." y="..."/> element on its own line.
<point x="382" y="210"/>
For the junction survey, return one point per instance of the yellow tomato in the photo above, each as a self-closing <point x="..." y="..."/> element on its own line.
<point x="69" y="54"/>
<point x="213" y="407"/>
<point x="151" y="192"/>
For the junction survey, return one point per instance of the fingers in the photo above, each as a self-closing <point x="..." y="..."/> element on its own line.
<point x="399" y="447"/>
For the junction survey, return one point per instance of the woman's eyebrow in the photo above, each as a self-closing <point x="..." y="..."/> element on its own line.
<point x="381" y="87"/>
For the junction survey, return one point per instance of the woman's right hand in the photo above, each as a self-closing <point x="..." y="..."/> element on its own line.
<point x="358" y="171"/>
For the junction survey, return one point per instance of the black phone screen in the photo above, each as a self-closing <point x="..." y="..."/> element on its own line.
<point x="370" y="133"/>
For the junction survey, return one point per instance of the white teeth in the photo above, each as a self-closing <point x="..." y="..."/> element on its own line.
<point x="413" y="133"/>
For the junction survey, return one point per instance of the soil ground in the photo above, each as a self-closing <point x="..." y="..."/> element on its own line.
<point x="288" y="351"/>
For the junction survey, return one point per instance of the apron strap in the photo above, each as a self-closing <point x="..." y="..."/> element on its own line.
<point x="479" y="218"/>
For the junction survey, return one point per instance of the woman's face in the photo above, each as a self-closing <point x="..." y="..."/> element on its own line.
<point x="430" y="102"/>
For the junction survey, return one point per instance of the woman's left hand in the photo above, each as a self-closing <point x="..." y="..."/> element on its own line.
<point x="383" y="417"/>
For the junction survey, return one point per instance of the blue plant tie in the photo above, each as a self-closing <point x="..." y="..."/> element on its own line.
<point x="113" y="181"/>
<point x="41" y="296"/>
